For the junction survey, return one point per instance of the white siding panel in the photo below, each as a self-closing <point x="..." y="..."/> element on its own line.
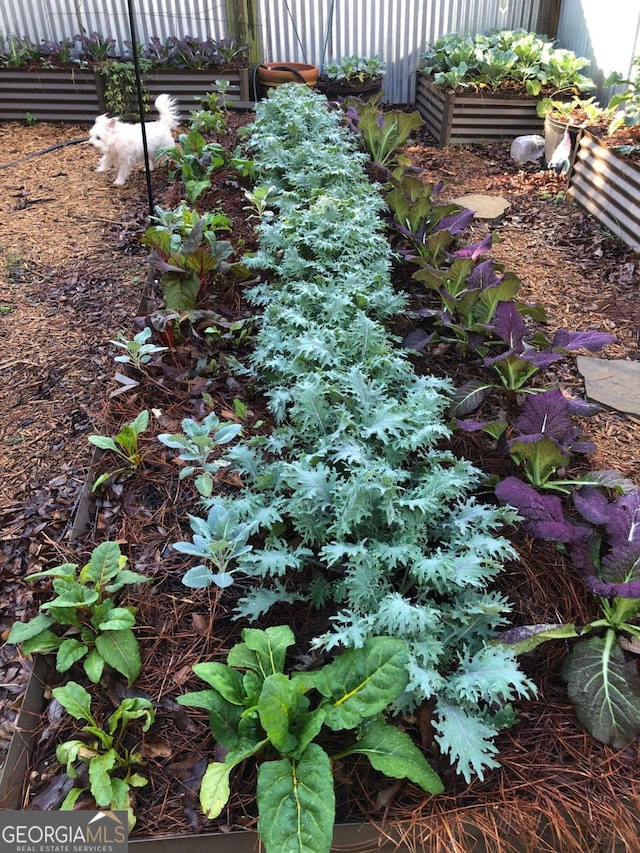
<point x="608" y="34"/>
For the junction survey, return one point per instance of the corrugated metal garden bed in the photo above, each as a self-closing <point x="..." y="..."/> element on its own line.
<point x="453" y="118"/>
<point x="608" y="186"/>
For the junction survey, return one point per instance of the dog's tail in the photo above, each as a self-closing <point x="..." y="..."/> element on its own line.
<point x="168" y="109"/>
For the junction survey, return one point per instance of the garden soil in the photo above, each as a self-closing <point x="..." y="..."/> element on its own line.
<point x="72" y="276"/>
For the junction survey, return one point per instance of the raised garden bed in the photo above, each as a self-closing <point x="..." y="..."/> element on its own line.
<point x="460" y="790"/>
<point x="68" y="95"/>
<point x="454" y="118"/>
<point x="608" y="186"/>
<point x="77" y="94"/>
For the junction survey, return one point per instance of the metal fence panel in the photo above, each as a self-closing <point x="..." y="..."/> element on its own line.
<point x="396" y="30"/>
<point x="317" y="31"/>
<point x="56" y="19"/>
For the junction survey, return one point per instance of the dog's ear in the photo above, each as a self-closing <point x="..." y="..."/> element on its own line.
<point x="112" y="123"/>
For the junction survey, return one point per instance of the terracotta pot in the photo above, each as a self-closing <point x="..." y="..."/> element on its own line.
<point x="271" y="74"/>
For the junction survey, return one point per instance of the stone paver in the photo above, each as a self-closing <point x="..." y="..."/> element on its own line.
<point x="484" y="206"/>
<point x="613" y="382"/>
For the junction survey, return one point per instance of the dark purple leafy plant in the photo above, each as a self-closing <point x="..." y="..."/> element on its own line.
<point x="602" y="683"/>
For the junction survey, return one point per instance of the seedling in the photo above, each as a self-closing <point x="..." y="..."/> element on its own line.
<point x="197" y="444"/>
<point x="219" y="540"/>
<point x="109" y="763"/>
<point x="125" y="444"/>
<point x="137" y="351"/>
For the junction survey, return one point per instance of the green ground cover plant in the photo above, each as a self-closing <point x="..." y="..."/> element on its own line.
<point x="110" y="765"/>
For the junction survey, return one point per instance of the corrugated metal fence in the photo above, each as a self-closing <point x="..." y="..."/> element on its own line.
<point x="316" y="31"/>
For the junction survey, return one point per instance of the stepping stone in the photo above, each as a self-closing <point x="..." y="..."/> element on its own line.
<point x="613" y="382"/>
<point x="484" y="206"/>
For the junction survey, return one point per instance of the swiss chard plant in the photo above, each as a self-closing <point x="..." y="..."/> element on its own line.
<point x="353" y="483"/>
<point x="126" y="446"/>
<point x="604" y="543"/>
<point x="108" y="763"/>
<point x="82" y="622"/>
<point x="187" y="254"/>
<point x="257" y="709"/>
<point x="194" y="160"/>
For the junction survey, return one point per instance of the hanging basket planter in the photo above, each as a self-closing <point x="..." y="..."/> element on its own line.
<point x="272" y="74"/>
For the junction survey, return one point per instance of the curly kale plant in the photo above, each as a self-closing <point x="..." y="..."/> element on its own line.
<point x="352" y="500"/>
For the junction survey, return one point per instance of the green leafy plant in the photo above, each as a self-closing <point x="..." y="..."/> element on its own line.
<point x="220" y="540"/>
<point x="577" y="111"/>
<point x="95" y="47"/>
<point x="109" y="763"/>
<point x="138" y="352"/>
<point x="197" y="443"/>
<point x="353" y="481"/>
<point x="255" y="709"/>
<point x="259" y="198"/>
<point x="384" y="132"/>
<point x="351" y="68"/>
<point x="629" y="98"/>
<point x="193" y="159"/>
<point x="212" y="115"/>
<point x="126" y="445"/>
<point x="96" y="631"/>
<point x="120" y="87"/>
<point x="16" y="52"/>
<point x="504" y="59"/>
<point x="187" y="253"/>
<point x="57" y="54"/>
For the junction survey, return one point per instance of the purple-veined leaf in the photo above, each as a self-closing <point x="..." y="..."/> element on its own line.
<point x="580" y="407"/>
<point x="509" y="325"/>
<point x="475" y="250"/>
<point x="471" y="426"/>
<point x="525" y="638"/>
<point x="547" y="414"/>
<point x="605" y="690"/>
<point x="621" y="517"/>
<point x="457" y="222"/>
<point x="468" y="397"/>
<point x="591" y="340"/>
<point x="417" y="339"/>
<point x="542" y="514"/>
<point x="484" y="275"/>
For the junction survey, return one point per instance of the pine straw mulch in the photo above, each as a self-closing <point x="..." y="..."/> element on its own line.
<point x="73" y="274"/>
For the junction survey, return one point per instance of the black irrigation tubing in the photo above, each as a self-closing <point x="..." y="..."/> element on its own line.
<point x="44" y="151"/>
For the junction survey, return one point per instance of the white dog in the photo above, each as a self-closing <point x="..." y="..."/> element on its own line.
<point x="121" y="144"/>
